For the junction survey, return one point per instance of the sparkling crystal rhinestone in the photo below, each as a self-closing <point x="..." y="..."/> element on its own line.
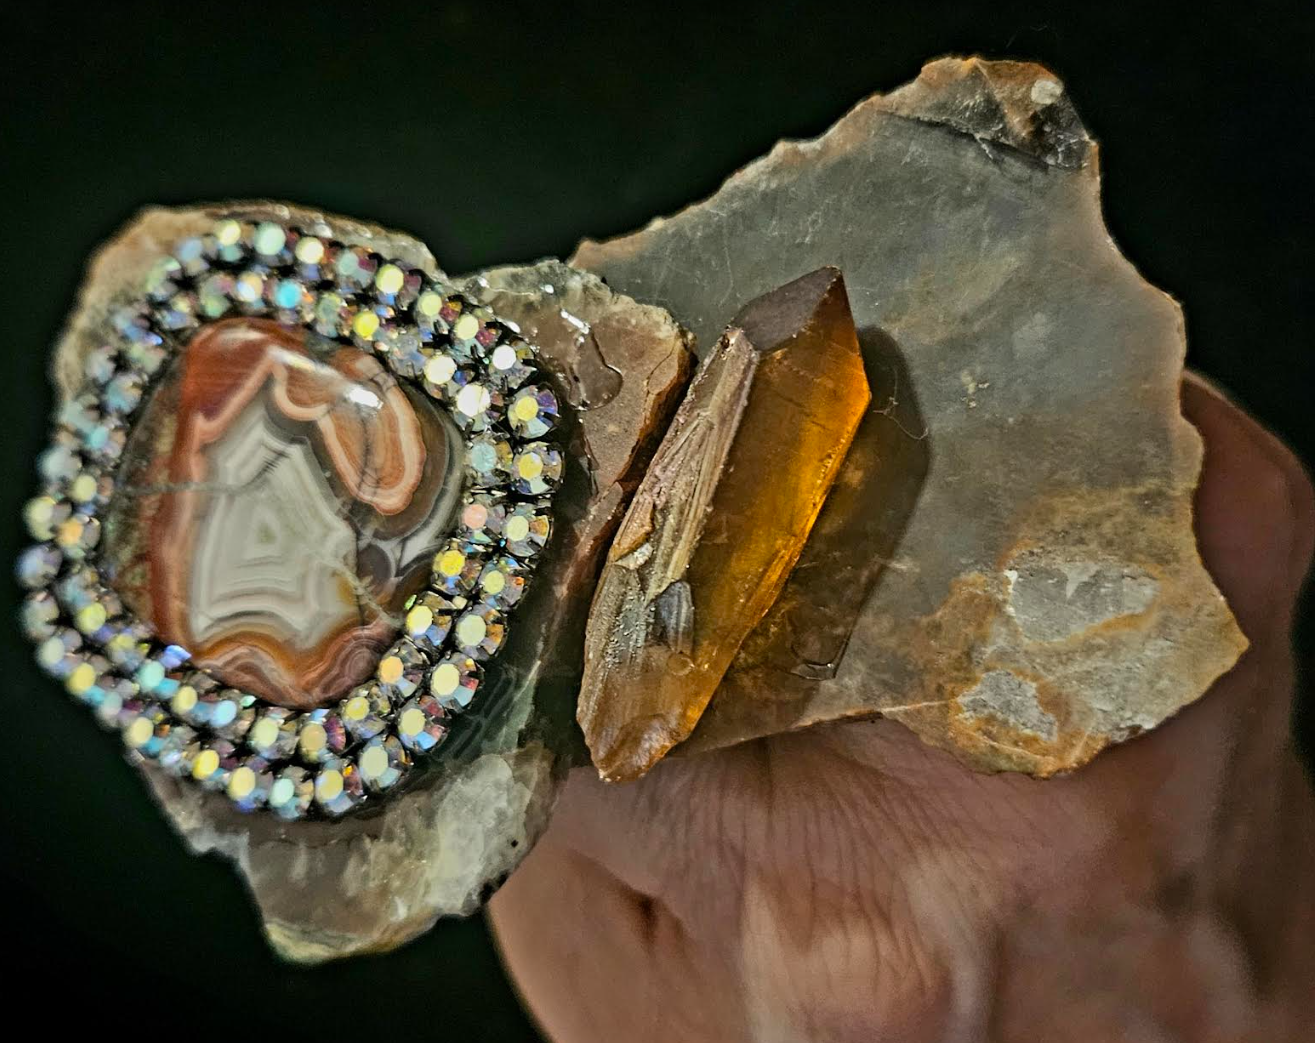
<point x="321" y="736"/>
<point x="428" y="620"/>
<point x="527" y="529"/>
<point x="480" y="631"/>
<point x="366" y="713"/>
<point x="291" y="792"/>
<point x="421" y="724"/>
<point x="454" y="681"/>
<point x="274" y="733"/>
<point x="249" y="784"/>
<point x="536" y="469"/>
<point x="533" y="411"/>
<point x="38" y="565"/>
<point x="39" y="613"/>
<point x="382" y="762"/>
<point x="503" y="581"/>
<point x="457" y="567"/>
<point x="489" y="459"/>
<point x="338" y="786"/>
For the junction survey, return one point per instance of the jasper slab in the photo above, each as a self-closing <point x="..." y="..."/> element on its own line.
<point x="281" y="502"/>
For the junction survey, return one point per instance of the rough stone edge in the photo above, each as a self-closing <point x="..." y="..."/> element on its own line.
<point x="907" y="102"/>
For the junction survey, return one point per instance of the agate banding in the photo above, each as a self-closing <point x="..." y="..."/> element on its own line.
<point x="284" y="521"/>
<point x="283" y="504"/>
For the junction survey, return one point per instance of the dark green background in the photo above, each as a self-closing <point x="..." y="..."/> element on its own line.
<point x="502" y="133"/>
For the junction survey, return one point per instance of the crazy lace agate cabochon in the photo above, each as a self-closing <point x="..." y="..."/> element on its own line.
<point x="277" y="506"/>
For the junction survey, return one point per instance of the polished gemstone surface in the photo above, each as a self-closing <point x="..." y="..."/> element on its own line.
<point x="282" y="498"/>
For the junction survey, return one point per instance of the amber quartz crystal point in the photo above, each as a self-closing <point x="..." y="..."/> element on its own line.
<point x="720" y="518"/>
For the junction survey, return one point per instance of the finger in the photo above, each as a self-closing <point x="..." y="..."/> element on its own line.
<point x="1254" y="510"/>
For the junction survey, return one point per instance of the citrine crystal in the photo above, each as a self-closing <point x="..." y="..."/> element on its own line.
<point x="720" y="518"/>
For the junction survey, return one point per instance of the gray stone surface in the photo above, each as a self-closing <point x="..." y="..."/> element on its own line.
<point x="1024" y="462"/>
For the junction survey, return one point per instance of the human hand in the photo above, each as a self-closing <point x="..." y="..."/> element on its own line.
<point x="849" y="883"/>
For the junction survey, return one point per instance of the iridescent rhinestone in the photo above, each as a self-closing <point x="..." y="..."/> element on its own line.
<point x="90" y="490"/>
<point x="38" y="565"/>
<point x="428" y="620"/>
<point x="406" y="354"/>
<point x="58" y="655"/>
<point x="536" y="469"/>
<point x="510" y="365"/>
<point x="454" y="681"/>
<point x="78" y="588"/>
<point x="320" y="736"/>
<point x="146" y="355"/>
<point x="330" y="315"/>
<point x="145" y="729"/>
<point x="39" y="614"/>
<point x="464" y="331"/>
<point x="533" y="411"/>
<point x="389" y="280"/>
<point x="273" y="734"/>
<point x="59" y="464"/>
<point x="309" y="250"/>
<point x="287" y="294"/>
<point x="104" y="443"/>
<point x="249" y="784"/>
<point x="249" y="290"/>
<point x="438" y="373"/>
<point x="43" y="514"/>
<point x="421" y="724"/>
<point x="98" y="366"/>
<point x="212" y="763"/>
<point x="270" y="239"/>
<point x="489" y="458"/>
<point x="480" y="631"/>
<point x="123" y="394"/>
<point x="527" y="529"/>
<point x="227" y="234"/>
<point x="382" y="762"/>
<point x="177" y="749"/>
<point x="99" y="435"/>
<point x="482" y="518"/>
<point x="178" y="313"/>
<point x="91" y="619"/>
<point x="457" y="567"/>
<point x="503" y="581"/>
<point x="128" y="644"/>
<point x="228" y="713"/>
<point x="173" y="656"/>
<point x="338" y="786"/>
<point x="77" y="535"/>
<point x="113" y="706"/>
<point x="214" y="295"/>
<point x="191" y="254"/>
<point x="400" y="671"/>
<point x="154" y="680"/>
<point x="365" y="713"/>
<point x="291" y="792"/>
<point x="475" y="406"/>
<point x="427" y="311"/>
<point x="354" y="268"/>
<point x="365" y="324"/>
<point x="162" y="279"/>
